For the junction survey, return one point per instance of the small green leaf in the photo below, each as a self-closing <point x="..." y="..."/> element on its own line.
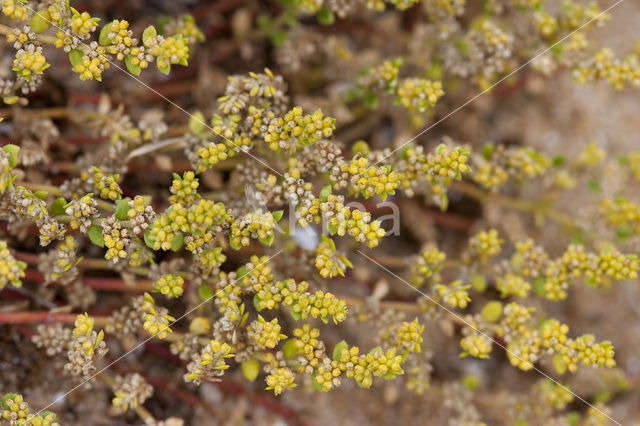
<point x="41" y="194"/>
<point x="57" y="207"/>
<point x="470" y="381"/>
<point x="149" y="32"/>
<point x="177" y="242"/>
<point x="289" y="349"/>
<point x="95" y="235"/>
<point x="295" y="315"/>
<point x="250" y="369"/>
<point x="197" y="123"/>
<point x="559" y="364"/>
<point x="478" y="282"/>
<point x="256" y="302"/>
<point x="10" y="100"/>
<point x="326" y="16"/>
<point x="104" y="39"/>
<point x="277" y="215"/>
<point x="164" y="70"/>
<point x="337" y="350"/>
<point x="324" y="193"/>
<point x="317" y="386"/>
<point x="122" y="208"/>
<point x="538" y="286"/>
<point x="6" y="397"/>
<point x="233" y="245"/>
<point x="133" y="69"/>
<point x="40" y="21"/>
<point x="360" y="147"/>
<point x="75" y="57"/>
<point x="492" y="311"/>
<point x="13" y="151"/>
<point x="205" y="292"/>
<point x="573" y="418"/>
<point x="268" y="240"/>
<point x="148" y="239"/>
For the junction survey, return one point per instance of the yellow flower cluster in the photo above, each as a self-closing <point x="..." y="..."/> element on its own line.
<point x="476" y="345"/>
<point x="170" y="285"/>
<point x="370" y="180"/>
<point x="156" y="320"/>
<point x="622" y="212"/>
<point x="485" y="244"/>
<point x="319" y="305"/>
<point x="93" y="64"/>
<point x="417" y="94"/>
<point x="343" y="220"/>
<point x="327" y="376"/>
<point x="553" y="395"/>
<point x="604" y="66"/>
<point x="11" y="270"/>
<point x="295" y="130"/>
<point x="455" y="294"/>
<point x="409" y="336"/>
<point x="272" y="295"/>
<point x="15" y="411"/>
<point x="213" y="154"/>
<point x="30" y="62"/>
<point x="172" y="50"/>
<point x="210" y="362"/>
<point x="210" y="260"/>
<point x="256" y="224"/>
<point x="265" y="334"/>
<point x="511" y="284"/>
<point x="86" y="340"/>
<point x="14" y="9"/>
<point x="328" y="262"/>
<point x="308" y="344"/>
<point x="382" y="77"/>
<point x="427" y="266"/>
<point x="203" y="215"/>
<point x="184" y="189"/>
<point x="120" y="37"/>
<point x="106" y="184"/>
<point x="82" y="23"/>
<point x="363" y="368"/>
<point x="280" y="379"/>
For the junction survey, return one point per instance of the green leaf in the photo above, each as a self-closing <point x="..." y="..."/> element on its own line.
<point x="95" y="235"/>
<point x="370" y="100"/>
<point x="122" y="208"/>
<point x="13" y="151"/>
<point x="256" y="302"/>
<point x="375" y="350"/>
<point x="326" y="16"/>
<point x="289" y="349"/>
<point x="492" y="311"/>
<point x="278" y="37"/>
<point x="250" y="369"/>
<point x="177" y="242"/>
<point x="268" y="240"/>
<point x="57" y="207"/>
<point x="205" y="292"/>
<point x="148" y="239"/>
<point x="470" y="381"/>
<point x="41" y="194"/>
<point x="197" y="123"/>
<point x="165" y="70"/>
<point x="295" y="315"/>
<point x="149" y="32"/>
<point x="389" y="375"/>
<point x="233" y="245"/>
<point x="75" y="57"/>
<point x="337" y="350"/>
<point x="328" y="241"/>
<point x="360" y="147"/>
<point x="478" y="282"/>
<point x="324" y="193"/>
<point x="573" y="418"/>
<point x="317" y="386"/>
<point x="40" y="21"/>
<point x="277" y="215"/>
<point x="10" y="100"/>
<point x="538" y="286"/>
<point x="104" y="39"/>
<point x="133" y="69"/>
<point x="559" y="364"/>
<point x="6" y="397"/>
